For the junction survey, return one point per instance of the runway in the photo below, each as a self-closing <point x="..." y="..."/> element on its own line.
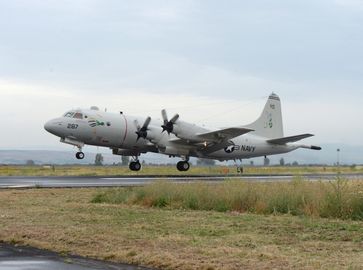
<point x="27" y="258"/>
<point x="127" y="180"/>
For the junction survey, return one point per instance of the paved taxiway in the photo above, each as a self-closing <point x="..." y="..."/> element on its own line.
<point x="121" y="181"/>
<point x="27" y="258"/>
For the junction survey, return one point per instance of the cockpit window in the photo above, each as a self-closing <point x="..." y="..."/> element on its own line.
<point x="68" y="114"/>
<point x="78" y="115"/>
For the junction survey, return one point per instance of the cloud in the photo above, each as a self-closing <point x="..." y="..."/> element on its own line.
<point x="25" y="110"/>
<point x="213" y="63"/>
<point x="26" y="107"/>
<point x="13" y="89"/>
<point x="351" y="4"/>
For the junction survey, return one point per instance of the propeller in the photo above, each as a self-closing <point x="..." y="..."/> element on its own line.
<point x="142" y="131"/>
<point x="168" y="125"/>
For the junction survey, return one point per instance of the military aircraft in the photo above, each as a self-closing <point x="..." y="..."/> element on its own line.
<point x="132" y="136"/>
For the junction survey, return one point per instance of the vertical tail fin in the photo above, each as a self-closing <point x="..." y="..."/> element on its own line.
<point x="269" y="124"/>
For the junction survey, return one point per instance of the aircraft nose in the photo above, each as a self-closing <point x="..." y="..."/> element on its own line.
<point x="48" y="126"/>
<point x="53" y="126"/>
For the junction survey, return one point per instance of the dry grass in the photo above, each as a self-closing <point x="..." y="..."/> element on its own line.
<point x="103" y="170"/>
<point x="64" y="220"/>
<point x="164" y="170"/>
<point x="335" y="199"/>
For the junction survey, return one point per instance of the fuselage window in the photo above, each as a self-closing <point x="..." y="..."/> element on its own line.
<point x="78" y="116"/>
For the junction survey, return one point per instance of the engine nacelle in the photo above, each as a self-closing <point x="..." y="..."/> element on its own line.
<point x="186" y="130"/>
<point x="153" y="134"/>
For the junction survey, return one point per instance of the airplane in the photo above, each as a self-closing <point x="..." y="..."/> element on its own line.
<point x="132" y="136"/>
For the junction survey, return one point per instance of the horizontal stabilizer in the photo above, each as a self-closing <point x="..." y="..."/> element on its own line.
<point x="290" y="139"/>
<point x="223" y="134"/>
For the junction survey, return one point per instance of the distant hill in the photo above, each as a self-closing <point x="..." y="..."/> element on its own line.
<point x="18" y="157"/>
<point x="50" y="157"/>
<point x="348" y="155"/>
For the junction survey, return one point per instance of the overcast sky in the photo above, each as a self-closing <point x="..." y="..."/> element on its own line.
<point x="213" y="62"/>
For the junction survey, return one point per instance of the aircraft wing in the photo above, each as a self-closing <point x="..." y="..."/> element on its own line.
<point x="285" y="140"/>
<point x="222" y="134"/>
<point x="210" y="142"/>
<point x="217" y="136"/>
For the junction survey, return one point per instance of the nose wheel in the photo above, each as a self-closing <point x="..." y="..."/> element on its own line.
<point x="135" y="166"/>
<point x="183" y="166"/>
<point x="80" y="155"/>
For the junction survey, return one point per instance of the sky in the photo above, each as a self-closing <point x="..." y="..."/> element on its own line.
<point x="213" y="62"/>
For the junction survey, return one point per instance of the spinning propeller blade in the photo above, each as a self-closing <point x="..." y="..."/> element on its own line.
<point x="168" y="126"/>
<point x="142" y="131"/>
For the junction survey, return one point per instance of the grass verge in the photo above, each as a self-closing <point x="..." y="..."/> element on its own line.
<point x="86" y="170"/>
<point x="65" y="220"/>
<point x="335" y="199"/>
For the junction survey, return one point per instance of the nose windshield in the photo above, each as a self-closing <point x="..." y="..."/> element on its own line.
<point x="76" y="115"/>
<point x="68" y="114"/>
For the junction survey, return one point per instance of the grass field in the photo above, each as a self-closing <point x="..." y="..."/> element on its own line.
<point x="67" y="221"/>
<point x="163" y="170"/>
<point x="334" y="199"/>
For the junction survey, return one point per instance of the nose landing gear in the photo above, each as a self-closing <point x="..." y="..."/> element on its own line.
<point x="80" y="155"/>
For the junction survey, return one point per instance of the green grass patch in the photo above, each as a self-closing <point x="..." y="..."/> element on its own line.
<point x="340" y="198"/>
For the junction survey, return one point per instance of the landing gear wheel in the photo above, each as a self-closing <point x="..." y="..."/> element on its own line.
<point x="135" y="166"/>
<point x="183" y="166"/>
<point x="80" y="155"/>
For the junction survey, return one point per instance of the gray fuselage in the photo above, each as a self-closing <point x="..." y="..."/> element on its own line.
<point x="118" y="132"/>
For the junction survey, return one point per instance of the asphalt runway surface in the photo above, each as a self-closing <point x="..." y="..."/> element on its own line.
<point x="28" y="258"/>
<point x="124" y="181"/>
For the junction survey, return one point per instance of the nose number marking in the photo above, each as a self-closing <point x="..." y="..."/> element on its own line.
<point x="72" y="126"/>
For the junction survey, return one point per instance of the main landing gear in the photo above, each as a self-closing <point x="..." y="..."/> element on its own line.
<point x="183" y="165"/>
<point x="135" y="165"/>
